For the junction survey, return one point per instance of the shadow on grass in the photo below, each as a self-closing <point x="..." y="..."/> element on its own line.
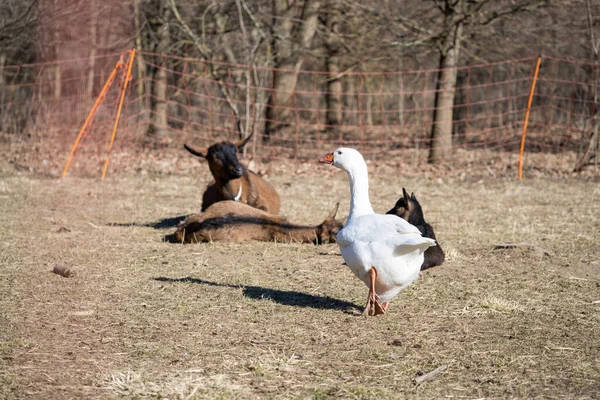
<point x="164" y="223"/>
<point x="285" y="297"/>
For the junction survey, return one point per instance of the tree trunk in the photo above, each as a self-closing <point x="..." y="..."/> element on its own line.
<point x="2" y="79"/>
<point x="159" y="84"/>
<point x="334" y="83"/>
<point x="369" y="102"/>
<point x="141" y="67"/>
<point x="289" y="46"/>
<point x="593" y="145"/>
<point x="3" y="88"/>
<point x="459" y="114"/>
<point x="93" y="48"/>
<point x="57" y="70"/>
<point x="441" y="132"/>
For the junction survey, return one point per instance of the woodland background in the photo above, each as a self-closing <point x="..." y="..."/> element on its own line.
<point x="434" y="75"/>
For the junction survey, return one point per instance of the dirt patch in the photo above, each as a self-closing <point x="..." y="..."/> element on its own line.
<point x="140" y="317"/>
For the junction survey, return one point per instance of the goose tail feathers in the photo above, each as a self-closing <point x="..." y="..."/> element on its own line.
<point x="413" y="243"/>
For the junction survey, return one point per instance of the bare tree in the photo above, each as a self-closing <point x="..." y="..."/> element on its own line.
<point x="446" y="32"/>
<point x="254" y="99"/>
<point x="93" y="47"/>
<point x="449" y="49"/>
<point x="141" y="66"/>
<point x="56" y="47"/>
<point x="333" y="63"/>
<point x="159" y="84"/>
<point x="593" y="142"/>
<point x="290" y="42"/>
<point x="459" y="16"/>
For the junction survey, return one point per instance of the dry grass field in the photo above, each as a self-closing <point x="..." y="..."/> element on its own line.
<point x="144" y="318"/>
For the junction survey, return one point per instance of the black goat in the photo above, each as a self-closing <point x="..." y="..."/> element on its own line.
<point x="409" y="209"/>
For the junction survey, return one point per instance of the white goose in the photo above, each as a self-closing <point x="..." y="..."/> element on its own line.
<point x="384" y="251"/>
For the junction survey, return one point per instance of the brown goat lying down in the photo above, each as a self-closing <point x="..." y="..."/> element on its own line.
<point x="232" y="180"/>
<point x="232" y="221"/>
<point x="409" y="209"/>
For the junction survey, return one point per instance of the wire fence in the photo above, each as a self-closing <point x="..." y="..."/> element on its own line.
<point x="173" y="100"/>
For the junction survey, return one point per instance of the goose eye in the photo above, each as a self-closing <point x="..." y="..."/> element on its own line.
<point x="339" y="152"/>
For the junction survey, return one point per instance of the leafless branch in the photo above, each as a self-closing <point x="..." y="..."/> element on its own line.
<point x="204" y="23"/>
<point x="254" y="20"/>
<point x="406" y="22"/>
<point x="591" y="30"/>
<point x="526" y="6"/>
<point x="206" y="54"/>
<point x="14" y="27"/>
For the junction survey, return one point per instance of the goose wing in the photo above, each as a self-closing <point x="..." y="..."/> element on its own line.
<point x="376" y="228"/>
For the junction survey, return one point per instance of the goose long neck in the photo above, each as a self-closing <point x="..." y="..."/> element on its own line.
<point x="359" y="193"/>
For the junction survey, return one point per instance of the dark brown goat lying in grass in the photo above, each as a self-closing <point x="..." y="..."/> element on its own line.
<point x="232" y="180"/>
<point x="231" y="221"/>
<point x="409" y="209"/>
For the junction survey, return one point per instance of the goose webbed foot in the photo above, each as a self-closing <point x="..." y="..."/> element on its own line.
<point x="373" y="307"/>
<point x="385" y="306"/>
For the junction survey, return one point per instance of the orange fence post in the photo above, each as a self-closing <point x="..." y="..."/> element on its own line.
<point x="535" y="75"/>
<point x="97" y="103"/>
<point x="114" y="132"/>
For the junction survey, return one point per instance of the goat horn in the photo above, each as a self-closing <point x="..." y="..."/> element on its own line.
<point x="242" y="142"/>
<point x="197" y="151"/>
<point x="334" y="210"/>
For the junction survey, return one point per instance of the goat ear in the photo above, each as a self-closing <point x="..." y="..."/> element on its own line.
<point x="242" y="142"/>
<point x="197" y="151"/>
<point x="405" y="194"/>
<point x="412" y="196"/>
<point x="334" y="211"/>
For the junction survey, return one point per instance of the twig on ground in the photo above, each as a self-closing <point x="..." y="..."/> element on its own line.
<point x="430" y="375"/>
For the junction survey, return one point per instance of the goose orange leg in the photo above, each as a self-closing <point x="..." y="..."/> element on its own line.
<point x="373" y="307"/>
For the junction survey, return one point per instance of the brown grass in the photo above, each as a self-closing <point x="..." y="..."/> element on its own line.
<point x="141" y="317"/>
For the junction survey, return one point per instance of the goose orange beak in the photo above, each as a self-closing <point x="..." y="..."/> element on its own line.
<point x="328" y="159"/>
